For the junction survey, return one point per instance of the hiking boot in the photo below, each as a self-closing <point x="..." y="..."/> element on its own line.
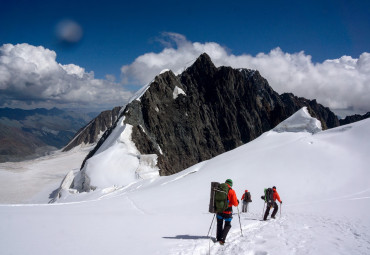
<point x="221" y="242"/>
<point x="273" y="217"/>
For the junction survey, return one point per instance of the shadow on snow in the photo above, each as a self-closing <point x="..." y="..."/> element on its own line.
<point x="188" y="237"/>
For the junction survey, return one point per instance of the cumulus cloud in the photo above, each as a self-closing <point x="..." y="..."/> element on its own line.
<point x="337" y="83"/>
<point x="30" y="77"/>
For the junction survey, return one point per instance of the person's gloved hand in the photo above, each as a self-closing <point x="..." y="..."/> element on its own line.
<point x="262" y="197"/>
<point x="281" y="202"/>
<point x="238" y="201"/>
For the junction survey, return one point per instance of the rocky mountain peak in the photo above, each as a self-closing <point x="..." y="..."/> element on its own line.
<point x="181" y="120"/>
<point x="202" y="65"/>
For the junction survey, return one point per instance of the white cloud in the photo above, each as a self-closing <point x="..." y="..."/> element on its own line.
<point x="337" y="83"/>
<point x="31" y="76"/>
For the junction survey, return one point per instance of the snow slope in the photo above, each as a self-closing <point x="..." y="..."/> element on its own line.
<point x="299" y="122"/>
<point x="117" y="161"/>
<point x="322" y="178"/>
<point x="32" y="181"/>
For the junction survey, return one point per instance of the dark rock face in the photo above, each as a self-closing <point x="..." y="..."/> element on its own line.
<point x="353" y="118"/>
<point x="89" y="133"/>
<point x="221" y="109"/>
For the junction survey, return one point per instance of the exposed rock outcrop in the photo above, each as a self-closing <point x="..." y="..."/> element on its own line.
<point x="91" y="133"/>
<point x="353" y="118"/>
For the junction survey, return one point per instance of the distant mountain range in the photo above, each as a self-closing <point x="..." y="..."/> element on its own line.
<point x="26" y="134"/>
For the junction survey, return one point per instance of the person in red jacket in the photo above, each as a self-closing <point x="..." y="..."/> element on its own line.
<point x="226" y="215"/>
<point x="275" y="195"/>
<point x="246" y="198"/>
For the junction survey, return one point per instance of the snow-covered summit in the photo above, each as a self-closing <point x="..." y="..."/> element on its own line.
<point x="301" y="121"/>
<point x="164" y="71"/>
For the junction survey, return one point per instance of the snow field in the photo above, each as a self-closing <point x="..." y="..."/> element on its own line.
<point x="290" y="234"/>
<point x="33" y="181"/>
<point x="323" y="181"/>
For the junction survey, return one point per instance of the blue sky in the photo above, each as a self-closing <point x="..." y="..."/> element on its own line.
<point x="116" y="33"/>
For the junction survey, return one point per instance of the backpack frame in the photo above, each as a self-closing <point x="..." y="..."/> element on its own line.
<point x="219" y="197"/>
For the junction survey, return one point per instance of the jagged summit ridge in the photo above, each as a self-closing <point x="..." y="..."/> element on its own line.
<point x="157" y="79"/>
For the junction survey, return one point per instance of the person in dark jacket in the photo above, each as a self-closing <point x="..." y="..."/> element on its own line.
<point x="246" y="198"/>
<point x="273" y="204"/>
<point x="226" y="215"/>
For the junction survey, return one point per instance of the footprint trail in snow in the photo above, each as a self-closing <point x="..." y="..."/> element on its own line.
<point x="290" y="234"/>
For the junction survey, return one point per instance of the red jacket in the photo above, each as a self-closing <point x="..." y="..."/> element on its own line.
<point x="244" y="194"/>
<point x="233" y="200"/>
<point x="275" y="195"/>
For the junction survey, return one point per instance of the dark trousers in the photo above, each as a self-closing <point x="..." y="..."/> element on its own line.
<point x="222" y="230"/>
<point x="274" y="204"/>
<point x="245" y="206"/>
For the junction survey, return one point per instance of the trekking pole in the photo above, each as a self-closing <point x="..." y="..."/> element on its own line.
<point x="241" y="231"/>
<point x="281" y="207"/>
<point x="209" y="243"/>
<point x="214" y="215"/>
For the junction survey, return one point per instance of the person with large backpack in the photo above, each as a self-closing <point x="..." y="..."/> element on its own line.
<point x="270" y="198"/>
<point x="246" y="198"/>
<point x="226" y="214"/>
